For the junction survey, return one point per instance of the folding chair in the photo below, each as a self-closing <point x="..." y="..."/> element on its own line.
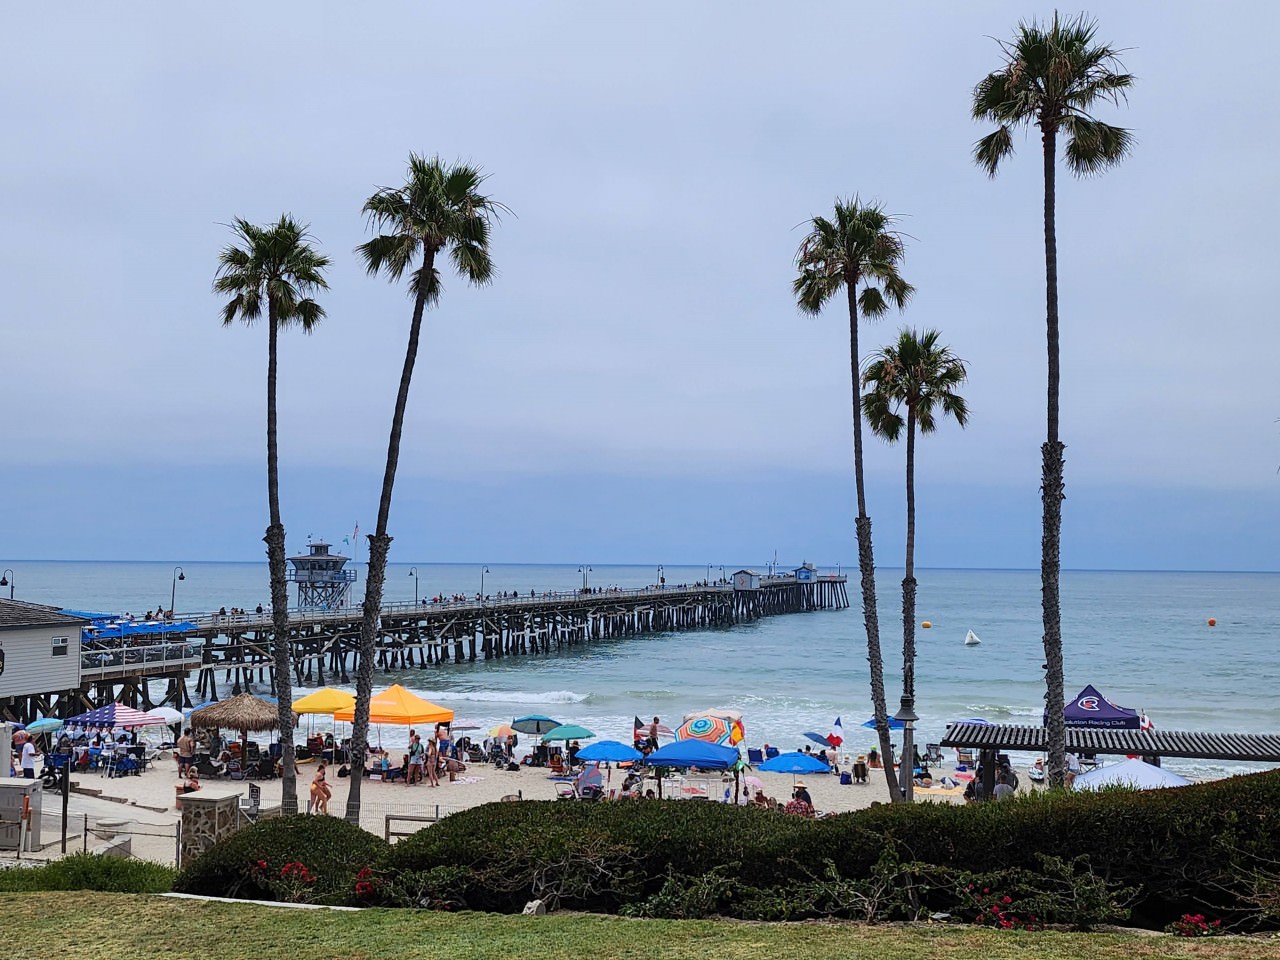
<point x="933" y="753"/>
<point x="755" y="755"/>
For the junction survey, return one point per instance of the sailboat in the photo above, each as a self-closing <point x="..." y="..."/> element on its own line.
<point x="971" y="639"/>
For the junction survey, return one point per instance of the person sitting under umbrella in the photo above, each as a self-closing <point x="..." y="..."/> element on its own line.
<point x="801" y="803"/>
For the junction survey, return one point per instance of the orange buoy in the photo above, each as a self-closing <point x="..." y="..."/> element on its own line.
<point x="1213" y="622"/>
<point x="926" y="625"/>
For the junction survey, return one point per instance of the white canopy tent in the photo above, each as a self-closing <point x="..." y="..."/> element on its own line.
<point x="1129" y="773"/>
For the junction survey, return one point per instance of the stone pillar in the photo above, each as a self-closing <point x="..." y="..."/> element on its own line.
<point x="208" y="815"/>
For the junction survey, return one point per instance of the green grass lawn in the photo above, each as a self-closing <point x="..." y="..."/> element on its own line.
<point x="69" y="926"/>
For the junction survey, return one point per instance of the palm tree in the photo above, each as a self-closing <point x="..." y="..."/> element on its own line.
<point x="858" y="250"/>
<point x="920" y="376"/>
<point x="1053" y="75"/>
<point x="278" y="266"/>
<point x="439" y="210"/>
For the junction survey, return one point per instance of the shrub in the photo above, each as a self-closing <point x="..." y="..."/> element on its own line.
<point x="297" y="859"/>
<point x="90" y="871"/>
<point x="1063" y="858"/>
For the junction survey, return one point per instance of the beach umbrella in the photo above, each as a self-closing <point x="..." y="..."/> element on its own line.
<point x="641" y="729"/>
<point x="326" y="700"/>
<point x="609" y="751"/>
<point x="114" y="715"/>
<point x="1128" y="773"/>
<point x="724" y="729"/>
<point x="534" y="723"/>
<point x="818" y="738"/>
<point x="44" y="725"/>
<point x="794" y="762"/>
<point x="244" y="712"/>
<point x="501" y="730"/>
<point x="464" y="726"/>
<point x="568" y="731"/>
<point x="893" y="724"/>
<point x="169" y="715"/>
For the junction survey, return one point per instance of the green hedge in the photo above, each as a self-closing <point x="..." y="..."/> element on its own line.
<point x="254" y="864"/>
<point x="90" y="871"/>
<point x="1192" y="849"/>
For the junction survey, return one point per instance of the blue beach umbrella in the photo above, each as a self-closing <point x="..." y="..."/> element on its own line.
<point x="609" y="751"/>
<point x="893" y="724"/>
<point x="568" y="731"/>
<point x="694" y="753"/>
<point x="817" y="738"/>
<point x="794" y="762"/>
<point x="44" y="725"/>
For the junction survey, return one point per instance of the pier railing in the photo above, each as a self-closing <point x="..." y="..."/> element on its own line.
<point x="97" y="662"/>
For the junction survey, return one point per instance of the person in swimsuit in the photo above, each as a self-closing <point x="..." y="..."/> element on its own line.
<point x="320" y="792"/>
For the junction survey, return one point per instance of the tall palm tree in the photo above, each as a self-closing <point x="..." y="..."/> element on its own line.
<point x="438" y="211"/>
<point x="917" y="375"/>
<point x="277" y="266"/>
<point x="1054" y="74"/>
<point x="858" y="250"/>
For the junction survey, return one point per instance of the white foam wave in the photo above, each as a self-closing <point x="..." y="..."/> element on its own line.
<point x="513" y="696"/>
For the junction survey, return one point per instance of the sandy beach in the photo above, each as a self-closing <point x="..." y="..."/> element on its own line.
<point x="146" y="803"/>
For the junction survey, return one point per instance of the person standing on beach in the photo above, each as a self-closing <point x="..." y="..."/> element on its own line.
<point x="29" y="754"/>
<point x="416" y="759"/>
<point x="433" y="763"/>
<point x="652" y="742"/>
<point x="186" y="752"/>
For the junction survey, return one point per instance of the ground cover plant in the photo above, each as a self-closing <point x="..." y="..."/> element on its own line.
<point x="88" y="926"/>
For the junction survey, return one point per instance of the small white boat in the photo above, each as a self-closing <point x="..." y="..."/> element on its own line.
<point x="971" y="639"/>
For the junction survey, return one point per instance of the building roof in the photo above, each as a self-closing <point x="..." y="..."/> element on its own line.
<point x="17" y="613"/>
<point x="1194" y="745"/>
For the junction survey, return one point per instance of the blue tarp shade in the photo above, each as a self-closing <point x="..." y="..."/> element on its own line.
<point x="694" y="753"/>
<point x="609" y="751"/>
<point x="795" y="762"/>
<point x="1092" y="709"/>
<point x="893" y="724"/>
<point x="100" y="631"/>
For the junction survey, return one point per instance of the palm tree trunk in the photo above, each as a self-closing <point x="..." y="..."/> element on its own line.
<point x="379" y="548"/>
<point x="866" y="561"/>
<point x="909" y="609"/>
<point x="1052" y="484"/>
<point x="279" y="587"/>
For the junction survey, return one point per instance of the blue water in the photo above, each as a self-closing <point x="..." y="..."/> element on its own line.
<point x="1141" y="638"/>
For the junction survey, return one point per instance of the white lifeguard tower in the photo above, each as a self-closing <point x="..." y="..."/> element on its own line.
<point x="322" y="582"/>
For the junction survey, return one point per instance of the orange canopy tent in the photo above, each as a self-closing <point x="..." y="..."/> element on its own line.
<point x="398" y="705"/>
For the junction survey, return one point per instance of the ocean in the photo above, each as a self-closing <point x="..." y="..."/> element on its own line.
<point x="1142" y="639"/>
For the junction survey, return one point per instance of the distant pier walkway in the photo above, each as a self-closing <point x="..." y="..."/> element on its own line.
<point x="236" y="649"/>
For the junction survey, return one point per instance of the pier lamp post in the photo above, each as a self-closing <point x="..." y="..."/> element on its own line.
<point x="906" y="770"/>
<point x="722" y="576"/>
<point x="6" y="580"/>
<point x="483" y="571"/>
<point x="413" y="572"/>
<point x="662" y="580"/>
<point x="584" y="570"/>
<point x="173" y="590"/>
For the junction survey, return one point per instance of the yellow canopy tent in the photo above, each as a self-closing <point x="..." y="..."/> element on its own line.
<point x="397" y="705"/>
<point x="325" y="700"/>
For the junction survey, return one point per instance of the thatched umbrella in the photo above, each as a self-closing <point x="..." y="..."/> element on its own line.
<point x="243" y="712"/>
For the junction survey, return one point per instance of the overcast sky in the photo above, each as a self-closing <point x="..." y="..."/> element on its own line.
<point x="636" y="385"/>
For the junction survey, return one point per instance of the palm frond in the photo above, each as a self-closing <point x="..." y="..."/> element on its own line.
<point x="871" y="303"/>
<point x="994" y="147"/>
<point x="1092" y="145"/>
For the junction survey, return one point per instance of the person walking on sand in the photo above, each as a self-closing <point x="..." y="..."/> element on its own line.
<point x="652" y="742"/>
<point x="320" y="792"/>
<point x="186" y="750"/>
<point x="433" y="763"/>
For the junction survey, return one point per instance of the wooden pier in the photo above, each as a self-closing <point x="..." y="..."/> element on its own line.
<point x="236" y="650"/>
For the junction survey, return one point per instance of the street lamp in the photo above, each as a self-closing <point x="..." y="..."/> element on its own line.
<point x="662" y="580"/>
<point x="483" y="571"/>
<point x="413" y="572"/>
<point x="722" y="576"/>
<point x="584" y="570"/>
<point x="173" y="591"/>
<point x="6" y="580"/>
<point x="906" y="769"/>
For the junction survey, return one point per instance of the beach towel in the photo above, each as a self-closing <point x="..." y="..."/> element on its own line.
<point x="466" y="780"/>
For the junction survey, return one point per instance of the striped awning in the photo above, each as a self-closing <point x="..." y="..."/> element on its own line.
<point x="1192" y="745"/>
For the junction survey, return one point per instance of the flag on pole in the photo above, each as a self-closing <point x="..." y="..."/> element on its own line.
<point x="836" y="736"/>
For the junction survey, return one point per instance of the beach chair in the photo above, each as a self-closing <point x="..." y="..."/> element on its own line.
<point x="771" y="753"/>
<point x="964" y="756"/>
<point x="755" y="755"/>
<point x="556" y="764"/>
<point x="933" y="754"/>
